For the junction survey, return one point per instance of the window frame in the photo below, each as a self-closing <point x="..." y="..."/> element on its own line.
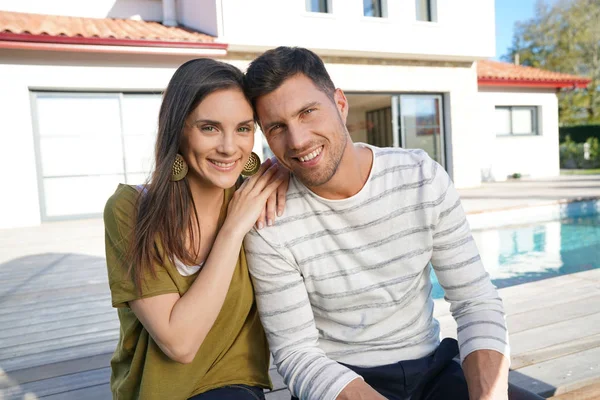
<point x="326" y="3"/>
<point x="382" y="8"/>
<point x="431" y="11"/>
<point x="535" y="125"/>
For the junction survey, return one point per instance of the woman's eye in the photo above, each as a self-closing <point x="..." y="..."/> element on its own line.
<point x="209" y="128"/>
<point x="244" y="129"/>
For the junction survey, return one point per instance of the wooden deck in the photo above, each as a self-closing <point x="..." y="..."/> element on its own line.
<point x="58" y="331"/>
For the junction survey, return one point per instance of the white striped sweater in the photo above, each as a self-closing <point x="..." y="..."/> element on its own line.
<point x="348" y="280"/>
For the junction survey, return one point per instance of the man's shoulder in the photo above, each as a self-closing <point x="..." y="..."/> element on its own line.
<point x="390" y="156"/>
<point x="401" y="166"/>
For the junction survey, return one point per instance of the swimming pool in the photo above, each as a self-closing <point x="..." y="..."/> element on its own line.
<point x="537" y="251"/>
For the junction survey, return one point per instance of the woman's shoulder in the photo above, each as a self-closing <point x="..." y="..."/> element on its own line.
<point x="120" y="206"/>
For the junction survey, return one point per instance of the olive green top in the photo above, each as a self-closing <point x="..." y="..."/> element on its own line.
<point x="235" y="350"/>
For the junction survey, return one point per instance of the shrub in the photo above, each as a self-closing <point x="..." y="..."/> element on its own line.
<point x="572" y="154"/>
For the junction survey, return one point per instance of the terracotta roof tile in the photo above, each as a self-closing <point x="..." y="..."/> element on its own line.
<point x="498" y="73"/>
<point x="101" y="28"/>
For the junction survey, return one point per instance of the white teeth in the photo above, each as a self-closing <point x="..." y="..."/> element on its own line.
<point x="223" y="165"/>
<point x="312" y="155"/>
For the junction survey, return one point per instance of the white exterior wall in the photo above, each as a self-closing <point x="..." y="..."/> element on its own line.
<point x="464" y="28"/>
<point x="533" y="156"/>
<point x="150" y="10"/>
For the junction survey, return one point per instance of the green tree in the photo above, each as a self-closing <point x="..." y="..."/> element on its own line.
<point x="564" y="36"/>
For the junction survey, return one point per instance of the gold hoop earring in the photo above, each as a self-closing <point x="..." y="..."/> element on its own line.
<point x="179" y="169"/>
<point x="252" y="165"/>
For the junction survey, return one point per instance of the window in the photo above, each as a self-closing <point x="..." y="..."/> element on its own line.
<point x="516" y="120"/>
<point x="373" y="8"/>
<point x="421" y="123"/>
<point x="425" y="10"/>
<point x="320" y="6"/>
<point x="379" y="127"/>
<point x="87" y="143"/>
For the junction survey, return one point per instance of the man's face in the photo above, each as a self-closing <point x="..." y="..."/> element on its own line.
<point x="305" y="128"/>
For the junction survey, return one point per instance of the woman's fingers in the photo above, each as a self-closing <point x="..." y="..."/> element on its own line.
<point x="272" y="186"/>
<point x="271" y="207"/>
<point x="263" y="180"/>
<point x="281" y="193"/>
<point x="260" y="222"/>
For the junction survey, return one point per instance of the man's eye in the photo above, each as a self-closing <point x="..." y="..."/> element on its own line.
<point x="309" y="111"/>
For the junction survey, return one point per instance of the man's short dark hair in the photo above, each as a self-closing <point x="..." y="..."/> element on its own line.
<point x="267" y="72"/>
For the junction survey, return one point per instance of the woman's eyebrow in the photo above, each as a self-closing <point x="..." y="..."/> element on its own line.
<point x="207" y="121"/>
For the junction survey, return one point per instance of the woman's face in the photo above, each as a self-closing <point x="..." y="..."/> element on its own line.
<point x="218" y="138"/>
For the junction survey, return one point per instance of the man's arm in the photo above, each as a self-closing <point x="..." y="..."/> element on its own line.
<point x="475" y="304"/>
<point x="487" y="375"/>
<point x="289" y="323"/>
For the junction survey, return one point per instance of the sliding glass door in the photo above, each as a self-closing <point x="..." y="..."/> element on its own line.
<point x="420" y="122"/>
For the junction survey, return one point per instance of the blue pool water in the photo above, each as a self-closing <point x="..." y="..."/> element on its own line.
<point x="544" y="250"/>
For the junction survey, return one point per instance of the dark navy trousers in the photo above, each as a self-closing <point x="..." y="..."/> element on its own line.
<point x="435" y="377"/>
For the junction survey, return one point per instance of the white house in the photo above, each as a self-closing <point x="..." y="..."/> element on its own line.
<point x="81" y="82"/>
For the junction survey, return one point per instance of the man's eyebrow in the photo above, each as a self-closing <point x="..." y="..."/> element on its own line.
<point x="306" y="106"/>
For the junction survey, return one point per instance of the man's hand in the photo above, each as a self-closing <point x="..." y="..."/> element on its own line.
<point x="359" y="390"/>
<point x="487" y="375"/>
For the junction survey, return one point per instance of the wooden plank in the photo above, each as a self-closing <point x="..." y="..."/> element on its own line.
<point x="40" y="295"/>
<point x="548" y="353"/>
<point x="551" y="335"/>
<point x="28" y="338"/>
<point x="590" y="392"/>
<point x="41" y="319"/>
<point x="524" y="294"/>
<point x="92" y="304"/>
<point x="100" y="318"/>
<point x="57" y="344"/>
<point x="560" y="375"/>
<point x="53" y="370"/>
<point x="52" y="303"/>
<point x="66" y="383"/>
<point x="65" y="309"/>
<point x="545" y="315"/>
<point x="283" y="394"/>
<point x="98" y="392"/>
<point x="58" y="355"/>
<point x="593" y="274"/>
<point x="48" y="270"/>
<point x="531" y="297"/>
<point x="28" y="287"/>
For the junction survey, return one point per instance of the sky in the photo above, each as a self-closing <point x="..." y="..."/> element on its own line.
<point x="507" y="13"/>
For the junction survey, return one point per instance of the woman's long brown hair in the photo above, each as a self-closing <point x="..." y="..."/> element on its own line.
<point x="166" y="209"/>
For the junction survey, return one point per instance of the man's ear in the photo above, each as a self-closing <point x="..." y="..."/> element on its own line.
<point x="341" y="103"/>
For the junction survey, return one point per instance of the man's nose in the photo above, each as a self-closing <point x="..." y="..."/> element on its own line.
<point x="298" y="137"/>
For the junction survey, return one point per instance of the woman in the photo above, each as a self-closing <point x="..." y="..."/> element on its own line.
<point x="177" y="273"/>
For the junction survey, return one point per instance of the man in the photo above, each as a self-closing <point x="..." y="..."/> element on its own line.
<point x="343" y="278"/>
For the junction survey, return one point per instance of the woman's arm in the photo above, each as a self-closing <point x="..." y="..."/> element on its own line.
<point x="179" y="324"/>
